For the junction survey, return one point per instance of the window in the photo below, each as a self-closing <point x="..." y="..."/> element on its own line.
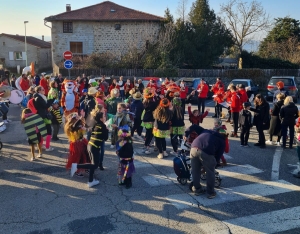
<point x="18" y="56"/>
<point x="76" y="47"/>
<point x="117" y="26"/>
<point x="67" y="27"/>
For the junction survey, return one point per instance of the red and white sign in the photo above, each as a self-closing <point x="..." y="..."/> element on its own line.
<point x="68" y="55"/>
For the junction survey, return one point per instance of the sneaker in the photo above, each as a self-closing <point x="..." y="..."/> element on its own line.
<point x="246" y="146"/>
<point x="32" y="158"/>
<point x="93" y="183"/>
<point x="78" y="174"/>
<point x="269" y="142"/>
<point x="73" y="169"/>
<point x="39" y="155"/>
<point x="160" y="156"/>
<point x="277" y="143"/>
<point x="211" y="196"/>
<point x="198" y="191"/>
<point x="112" y="147"/>
<point x="49" y="149"/>
<point x="173" y="153"/>
<point x="147" y="151"/>
<point x="5" y="121"/>
<point x="241" y="145"/>
<point x="165" y="154"/>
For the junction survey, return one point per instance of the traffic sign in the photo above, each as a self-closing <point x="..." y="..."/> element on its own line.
<point x="68" y="64"/>
<point x="68" y="55"/>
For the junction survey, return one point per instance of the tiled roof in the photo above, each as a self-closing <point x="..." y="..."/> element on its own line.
<point x="29" y="40"/>
<point x="105" y="11"/>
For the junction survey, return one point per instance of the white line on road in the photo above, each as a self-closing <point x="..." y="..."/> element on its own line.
<point x="276" y="164"/>
<point x="255" y="191"/>
<point x="270" y="222"/>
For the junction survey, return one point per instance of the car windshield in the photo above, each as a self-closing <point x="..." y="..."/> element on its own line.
<point x="236" y="82"/>
<point x="287" y="82"/>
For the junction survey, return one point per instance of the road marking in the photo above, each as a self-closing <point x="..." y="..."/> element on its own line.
<point x="276" y="164"/>
<point x="270" y="222"/>
<point x="153" y="161"/>
<point x="239" y="169"/>
<point x="256" y="191"/>
<point x="157" y="180"/>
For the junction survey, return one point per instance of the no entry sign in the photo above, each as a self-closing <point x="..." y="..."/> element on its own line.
<point x="68" y="55"/>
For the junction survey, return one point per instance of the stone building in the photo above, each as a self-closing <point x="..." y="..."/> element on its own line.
<point x="104" y="27"/>
<point x="12" y="52"/>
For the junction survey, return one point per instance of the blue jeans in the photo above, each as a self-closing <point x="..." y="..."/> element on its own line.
<point x="122" y="94"/>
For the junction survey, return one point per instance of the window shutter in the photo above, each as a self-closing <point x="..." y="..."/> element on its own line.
<point x="24" y="55"/>
<point x="11" y="55"/>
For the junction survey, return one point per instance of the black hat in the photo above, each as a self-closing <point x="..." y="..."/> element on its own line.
<point x="246" y="104"/>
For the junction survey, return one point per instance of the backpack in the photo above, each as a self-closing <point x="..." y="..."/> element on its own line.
<point x="30" y="105"/>
<point x="181" y="168"/>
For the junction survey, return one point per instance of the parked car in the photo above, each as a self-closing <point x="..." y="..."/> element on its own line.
<point x="246" y="83"/>
<point x="290" y="85"/>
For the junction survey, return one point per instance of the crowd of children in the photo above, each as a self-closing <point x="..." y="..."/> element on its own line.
<point x="160" y="112"/>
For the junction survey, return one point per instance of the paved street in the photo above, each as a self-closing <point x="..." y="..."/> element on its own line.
<point x="40" y="197"/>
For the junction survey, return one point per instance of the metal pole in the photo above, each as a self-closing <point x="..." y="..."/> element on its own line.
<point x="69" y="73"/>
<point x="25" y="22"/>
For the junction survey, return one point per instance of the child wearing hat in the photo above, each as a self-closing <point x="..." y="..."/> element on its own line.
<point x="137" y="108"/>
<point x="56" y="120"/>
<point x="245" y="122"/>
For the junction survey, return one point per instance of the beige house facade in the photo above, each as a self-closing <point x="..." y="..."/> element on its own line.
<point x="104" y="27"/>
<point x="12" y="52"/>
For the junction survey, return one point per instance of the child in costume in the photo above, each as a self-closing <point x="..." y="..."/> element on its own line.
<point x="99" y="134"/>
<point x="119" y="120"/>
<point x="35" y="129"/>
<point x="125" y="152"/>
<point x="195" y="117"/>
<point x="219" y="127"/>
<point x="56" y="120"/>
<point x="245" y="122"/>
<point x="178" y="128"/>
<point x="150" y="103"/>
<point x="161" y="128"/>
<point x="74" y="129"/>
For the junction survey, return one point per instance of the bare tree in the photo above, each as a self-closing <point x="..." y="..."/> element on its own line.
<point x="245" y="20"/>
<point x="181" y="9"/>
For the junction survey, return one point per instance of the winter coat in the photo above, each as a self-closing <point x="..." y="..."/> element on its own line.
<point x="262" y="115"/>
<point x="204" y="92"/>
<point x="41" y="105"/>
<point x="275" y="122"/>
<point x="137" y="108"/>
<point x="288" y="114"/>
<point x="148" y="116"/>
<point x="245" y="119"/>
<point x="235" y="102"/>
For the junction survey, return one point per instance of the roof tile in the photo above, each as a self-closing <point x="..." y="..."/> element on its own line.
<point x="105" y="11"/>
<point x="29" y="40"/>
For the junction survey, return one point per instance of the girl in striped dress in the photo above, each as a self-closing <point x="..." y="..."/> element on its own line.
<point x="35" y="129"/>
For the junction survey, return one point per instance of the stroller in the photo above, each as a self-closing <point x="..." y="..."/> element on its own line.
<point x="182" y="166"/>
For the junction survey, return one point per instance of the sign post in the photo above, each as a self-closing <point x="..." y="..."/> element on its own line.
<point x="68" y="64"/>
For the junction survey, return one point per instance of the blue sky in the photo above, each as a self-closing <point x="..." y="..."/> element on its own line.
<point x="15" y="12"/>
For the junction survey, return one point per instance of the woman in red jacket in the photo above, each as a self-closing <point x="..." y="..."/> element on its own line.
<point x="218" y="98"/>
<point x="44" y="84"/>
<point x="113" y="85"/>
<point x="202" y="90"/>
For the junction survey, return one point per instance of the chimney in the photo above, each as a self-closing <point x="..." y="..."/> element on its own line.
<point x="68" y="7"/>
<point x="43" y="37"/>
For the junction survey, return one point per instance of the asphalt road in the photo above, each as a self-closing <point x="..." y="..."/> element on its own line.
<point x="40" y="197"/>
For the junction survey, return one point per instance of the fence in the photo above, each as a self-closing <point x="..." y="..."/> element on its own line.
<point x="223" y="73"/>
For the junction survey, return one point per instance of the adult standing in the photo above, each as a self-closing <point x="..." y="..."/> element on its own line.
<point x="121" y="87"/>
<point x="206" y="150"/>
<point x="183" y="94"/>
<point x="141" y="86"/>
<point x="288" y="115"/>
<point x="275" y="123"/>
<point x="113" y="85"/>
<point x="24" y="83"/>
<point x="261" y="118"/>
<point x="41" y="104"/>
<point x="44" y="84"/>
<point x="59" y="80"/>
<point x="105" y="85"/>
<point x="37" y="80"/>
<point x="235" y="108"/>
<point x="13" y="81"/>
<point x="202" y="90"/>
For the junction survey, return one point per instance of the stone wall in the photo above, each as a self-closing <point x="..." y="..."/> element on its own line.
<point x="102" y="37"/>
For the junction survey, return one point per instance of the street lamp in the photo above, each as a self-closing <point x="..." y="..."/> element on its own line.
<point x="25" y="22"/>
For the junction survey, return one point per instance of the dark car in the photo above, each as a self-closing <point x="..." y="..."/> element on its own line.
<point x="289" y="85"/>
